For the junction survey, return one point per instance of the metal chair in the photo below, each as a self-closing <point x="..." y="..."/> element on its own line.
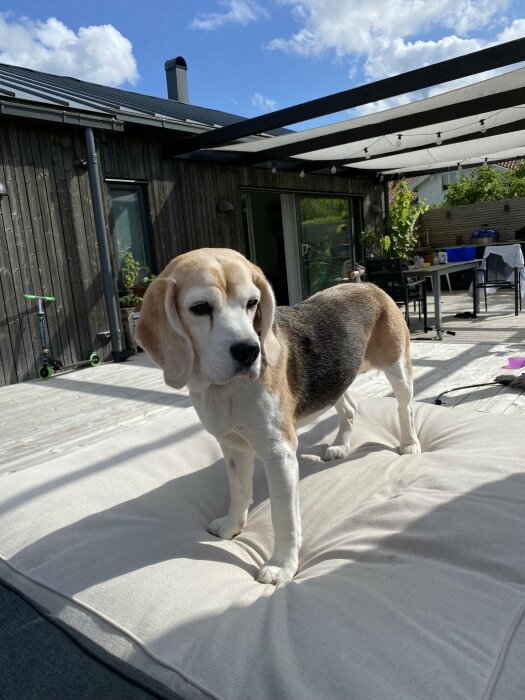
<point x="388" y="274"/>
<point x="501" y="268"/>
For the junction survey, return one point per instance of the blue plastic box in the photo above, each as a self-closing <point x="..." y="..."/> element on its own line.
<point x="461" y="254"/>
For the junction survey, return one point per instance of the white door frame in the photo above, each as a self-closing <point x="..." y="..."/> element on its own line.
<point x="291" y="248"/>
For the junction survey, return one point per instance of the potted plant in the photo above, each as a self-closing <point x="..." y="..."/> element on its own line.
<point x="374" y="245"/>
<point x="140" y="289"/>
<point x="129" y="301"/>
<point x="129" y="269"/>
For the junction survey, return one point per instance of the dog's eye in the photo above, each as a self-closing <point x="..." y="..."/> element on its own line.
<point x="252" y="303"/>
<point x="201" y="309"/>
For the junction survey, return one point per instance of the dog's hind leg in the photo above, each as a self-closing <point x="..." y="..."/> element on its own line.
<point x="346" y="407"/>
<point x="399" y="374"/>
<point x="240" y="475"/>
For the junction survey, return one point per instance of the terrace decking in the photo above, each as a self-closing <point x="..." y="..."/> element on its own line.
<point x="43" y="419"/>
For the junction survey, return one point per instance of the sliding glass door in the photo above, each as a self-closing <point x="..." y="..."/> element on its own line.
<point x="327" y="234"/>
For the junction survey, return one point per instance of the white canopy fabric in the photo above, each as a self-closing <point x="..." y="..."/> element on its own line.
<point x="389" y="156"/>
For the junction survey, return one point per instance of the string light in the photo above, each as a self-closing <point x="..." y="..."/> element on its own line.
<point x="460" y="167"/>
<point x="333" y="170"/>
<point x="398" y="142"/>
<point x="301" y="174"/>
<point x="381" y="177"/>
<point x="367" y="154"/>
<point x="483" y="126"/>
<point x="439" y="140"/>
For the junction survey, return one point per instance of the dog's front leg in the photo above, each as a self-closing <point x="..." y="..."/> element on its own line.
<point x="239" y="465"/>
<point x="282" y="472"/>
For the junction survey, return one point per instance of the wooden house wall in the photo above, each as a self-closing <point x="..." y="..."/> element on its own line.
<point x="183" y="194"/>
<point x="47" y="246"/>
<point x="48" y="241"/>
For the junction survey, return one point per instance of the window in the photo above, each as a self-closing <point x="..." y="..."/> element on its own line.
<point x="130" y="223"/>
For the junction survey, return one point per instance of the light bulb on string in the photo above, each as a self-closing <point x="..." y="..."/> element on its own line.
<point x="367" y="154"/>
<point x="333" y="170"/>
<point x="301" y="174"/>
<point x="460" y="168"/>
<point x="439" y="140"/>
<point x="398" y="142"/>
<point x="482" y="126"/>
<point x="273" y="169"/>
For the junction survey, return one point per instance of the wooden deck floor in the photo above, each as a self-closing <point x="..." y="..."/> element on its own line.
<point x="497" y="324"/>
<point x="41" y="419"/>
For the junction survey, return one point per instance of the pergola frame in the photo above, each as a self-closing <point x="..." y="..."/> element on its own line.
<point x="292" y="154"/>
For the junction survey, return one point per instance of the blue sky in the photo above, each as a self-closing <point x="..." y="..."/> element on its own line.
<point x="249" y="56"/>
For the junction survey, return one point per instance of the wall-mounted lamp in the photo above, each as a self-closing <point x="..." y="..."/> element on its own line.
<point x="224" y="205"/>
<point x="3" y="190"/>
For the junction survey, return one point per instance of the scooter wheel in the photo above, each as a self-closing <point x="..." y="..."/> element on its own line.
<point x="94" y="359"/>
<point x="45" y="372"/>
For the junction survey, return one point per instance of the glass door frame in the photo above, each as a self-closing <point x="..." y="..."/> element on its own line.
<point x="290" y="209"/>
<point x="355" y="218"/>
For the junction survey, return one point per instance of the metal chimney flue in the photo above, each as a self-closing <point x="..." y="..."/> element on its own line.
<point x="177" y="79"/>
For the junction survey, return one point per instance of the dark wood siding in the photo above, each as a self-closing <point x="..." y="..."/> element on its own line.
<point x="183" y="194"/>
<point x="47" y="246"/>
<point x="47" y="235"/>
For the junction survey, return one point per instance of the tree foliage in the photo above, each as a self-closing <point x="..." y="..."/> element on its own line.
<point x="487" y="184"/>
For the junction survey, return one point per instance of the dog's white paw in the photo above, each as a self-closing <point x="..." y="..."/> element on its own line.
<point x="225" y="527"/>
<point x="270" y="573"/>
<point x="336" y="452"/>
<point x="413" y="449"/>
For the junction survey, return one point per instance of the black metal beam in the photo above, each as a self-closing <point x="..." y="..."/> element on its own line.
<point x="418" y="79"/>
<point x="314" y="166"/>
<point x="397" y="125"/>
<point x="226" y="158"/>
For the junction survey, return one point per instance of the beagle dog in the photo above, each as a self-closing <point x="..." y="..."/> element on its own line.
<point x="254" y="371"/>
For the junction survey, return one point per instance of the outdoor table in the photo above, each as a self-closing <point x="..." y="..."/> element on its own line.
<point x="436" y="272"/>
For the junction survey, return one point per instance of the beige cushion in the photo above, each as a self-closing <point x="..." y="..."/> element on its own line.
<point x="411" y="580"/>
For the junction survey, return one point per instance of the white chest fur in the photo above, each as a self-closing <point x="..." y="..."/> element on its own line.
<point x="239" y="412"/>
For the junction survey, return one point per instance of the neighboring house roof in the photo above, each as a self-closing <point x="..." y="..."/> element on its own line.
<point x="415" y="182"/>
<point x="411" y="181"/>
<point x="43" y="91"/>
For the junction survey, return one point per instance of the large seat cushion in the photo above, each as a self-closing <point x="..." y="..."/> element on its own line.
<point x="412" y="573"/>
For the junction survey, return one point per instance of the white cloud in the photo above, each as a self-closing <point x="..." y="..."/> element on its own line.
<point x="238" y="12"/>
<point x="265" y="104"/>
<point x="397" y="56"/>
<point x="356" y="27"/>
<point x="515" y="31"/>
<point x="99" y="54"/>
<point x="388" y="38"/>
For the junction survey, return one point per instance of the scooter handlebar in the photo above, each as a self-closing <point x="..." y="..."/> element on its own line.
<point x="36" y="296"/>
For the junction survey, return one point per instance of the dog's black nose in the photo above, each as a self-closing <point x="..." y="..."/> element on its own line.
<point x="245" y="353"/>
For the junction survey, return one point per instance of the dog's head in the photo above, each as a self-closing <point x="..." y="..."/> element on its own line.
<point x="208" y="318"/>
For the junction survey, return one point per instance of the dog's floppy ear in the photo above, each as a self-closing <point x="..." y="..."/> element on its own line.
<point x="160" y="333"/>
<point x="266" y="311"/>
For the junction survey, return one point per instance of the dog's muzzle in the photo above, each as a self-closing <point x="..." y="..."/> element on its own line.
<point x="245" y="353"/>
